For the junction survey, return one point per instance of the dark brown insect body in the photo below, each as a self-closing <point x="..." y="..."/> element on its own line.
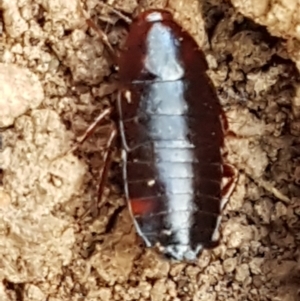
<point x="172" y="135"/>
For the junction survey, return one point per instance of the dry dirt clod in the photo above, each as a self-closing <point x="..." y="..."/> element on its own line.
<point x="20" y="90"/>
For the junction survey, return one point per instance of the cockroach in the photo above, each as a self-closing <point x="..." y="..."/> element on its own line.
<point x="172" y="129"/>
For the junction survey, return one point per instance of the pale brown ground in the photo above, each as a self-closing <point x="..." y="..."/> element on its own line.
<point x="55" y="78"/>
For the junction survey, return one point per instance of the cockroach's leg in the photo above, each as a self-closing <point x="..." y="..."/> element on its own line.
<point x="106" y="157"/>
<point x="106" y="165"/>
<point x="260" y="182"/>
<point x="268" y="186"/>
<point x="225" y="126"/>
<point x="230" y="177"/>
<point x="93" y="209"/>
<point x="229" y="180"/>
<point x="91" y="129"/>
<point x="224" y="122"/>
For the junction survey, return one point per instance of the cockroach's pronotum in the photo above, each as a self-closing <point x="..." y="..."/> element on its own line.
<point x="171" y="126"/>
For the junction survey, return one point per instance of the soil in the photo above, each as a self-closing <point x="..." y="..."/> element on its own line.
<point x="57" y="77"/>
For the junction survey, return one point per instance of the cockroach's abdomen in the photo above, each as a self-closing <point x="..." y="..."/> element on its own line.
<point x="172" y="137"/>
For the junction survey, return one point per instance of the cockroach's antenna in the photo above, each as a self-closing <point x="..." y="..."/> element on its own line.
<point x="118" y="13"/>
